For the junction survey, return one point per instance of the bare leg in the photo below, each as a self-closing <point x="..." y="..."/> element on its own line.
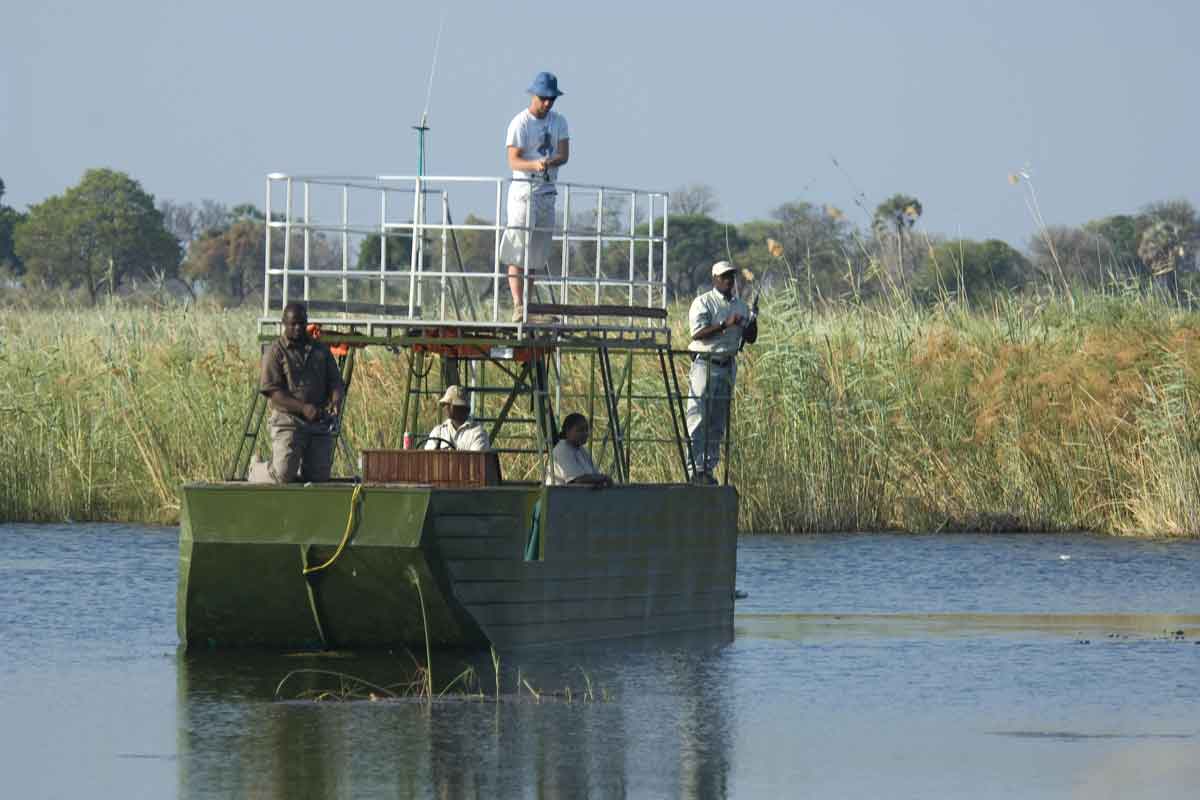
<point x="516" y="285"/>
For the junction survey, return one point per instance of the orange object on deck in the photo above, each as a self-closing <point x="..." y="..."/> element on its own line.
<point x="314" y="333"/>
<point x="468" y="351"/>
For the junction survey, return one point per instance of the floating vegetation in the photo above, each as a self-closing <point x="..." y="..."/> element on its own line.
<point x="420" y="683"/>
<point x="326" y="685"/>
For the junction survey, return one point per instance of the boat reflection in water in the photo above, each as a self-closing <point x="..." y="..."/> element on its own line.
<point x="647" y="714"/>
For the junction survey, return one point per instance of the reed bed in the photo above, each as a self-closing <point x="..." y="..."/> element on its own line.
<point x="1050" y="414"/>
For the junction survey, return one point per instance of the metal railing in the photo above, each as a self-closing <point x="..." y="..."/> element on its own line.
<point x="389" y="248"/>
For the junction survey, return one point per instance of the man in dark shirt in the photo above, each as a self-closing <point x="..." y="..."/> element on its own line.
<point x="304" y="394"/>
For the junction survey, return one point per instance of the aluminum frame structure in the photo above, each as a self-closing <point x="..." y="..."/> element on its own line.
<point x="433" y="285"/>
<point x="608" y="287"/>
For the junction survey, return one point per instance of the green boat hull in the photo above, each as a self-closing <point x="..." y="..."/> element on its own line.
<point x="457" y="565"/>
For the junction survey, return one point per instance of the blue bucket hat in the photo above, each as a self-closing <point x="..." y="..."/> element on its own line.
<point x="545" y="85"/>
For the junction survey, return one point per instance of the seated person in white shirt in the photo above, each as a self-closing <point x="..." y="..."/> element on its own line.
<point x="457" y="432"/>
<point x="570" y="462"/>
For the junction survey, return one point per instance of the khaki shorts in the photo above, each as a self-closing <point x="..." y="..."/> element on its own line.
<point x="539" y="210"/>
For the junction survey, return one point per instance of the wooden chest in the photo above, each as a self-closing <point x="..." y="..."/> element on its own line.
<point x="433" y="467"/>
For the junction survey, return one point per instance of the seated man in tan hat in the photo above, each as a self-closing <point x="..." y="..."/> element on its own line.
<point x="457" y="432"/>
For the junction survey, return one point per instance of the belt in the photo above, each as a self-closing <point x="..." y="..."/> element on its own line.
<point x="724" y="361"/>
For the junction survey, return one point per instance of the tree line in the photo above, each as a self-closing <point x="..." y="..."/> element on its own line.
<point x="819" y="251"/>
<point x="106" y="237"/>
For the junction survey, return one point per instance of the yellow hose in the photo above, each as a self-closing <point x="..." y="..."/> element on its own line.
<point x="345" y="536"/>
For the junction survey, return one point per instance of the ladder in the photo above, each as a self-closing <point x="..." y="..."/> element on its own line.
<point x="675" y="398"/>
<point x="519" y="380"/>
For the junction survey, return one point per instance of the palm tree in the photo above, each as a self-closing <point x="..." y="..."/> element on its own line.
<point x="1162" y="249"/>
<point x="898" y="214"/>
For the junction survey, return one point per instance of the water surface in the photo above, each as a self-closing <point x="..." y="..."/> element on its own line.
<point x="861" y="666"/>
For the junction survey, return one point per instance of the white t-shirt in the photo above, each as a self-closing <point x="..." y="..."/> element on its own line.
<point x="471" y="436"/>
<point x="568" y="462"/>
<point x="538" y="139"/>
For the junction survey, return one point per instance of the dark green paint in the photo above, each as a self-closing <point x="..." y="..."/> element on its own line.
<point x="626" y="561"/>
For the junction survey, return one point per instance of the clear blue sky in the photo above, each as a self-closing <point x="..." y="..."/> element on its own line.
<point x="941" y="100"/>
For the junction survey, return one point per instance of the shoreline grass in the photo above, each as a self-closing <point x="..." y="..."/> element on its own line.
<point x="1030" y="414"/>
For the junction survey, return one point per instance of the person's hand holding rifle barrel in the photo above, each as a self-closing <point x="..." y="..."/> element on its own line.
<point x="748" y="276"/>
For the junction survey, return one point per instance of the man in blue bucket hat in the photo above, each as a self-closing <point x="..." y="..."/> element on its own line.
<point x="538" y="144"/>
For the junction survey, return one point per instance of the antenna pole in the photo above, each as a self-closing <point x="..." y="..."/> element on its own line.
<point x="424" y="126"/>
<point x="421" y="129"/>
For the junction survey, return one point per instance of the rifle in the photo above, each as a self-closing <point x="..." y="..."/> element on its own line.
<point x="753" y="317"/>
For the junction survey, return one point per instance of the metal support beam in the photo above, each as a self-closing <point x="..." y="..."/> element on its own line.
<point x="686" y="436"/>
<point x="680" y="434"/>
<point x="519" y="384"/>
<point x="614" y="417"/>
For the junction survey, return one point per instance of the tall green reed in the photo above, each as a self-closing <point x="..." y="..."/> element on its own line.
<point x="1032" y="412"/>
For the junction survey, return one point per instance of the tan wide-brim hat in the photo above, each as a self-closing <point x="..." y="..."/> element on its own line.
<point x="454" y="396"/>
<point x="721" y="267"/>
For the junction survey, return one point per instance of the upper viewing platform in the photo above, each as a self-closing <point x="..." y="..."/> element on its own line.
<point x="387" y="252"/>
